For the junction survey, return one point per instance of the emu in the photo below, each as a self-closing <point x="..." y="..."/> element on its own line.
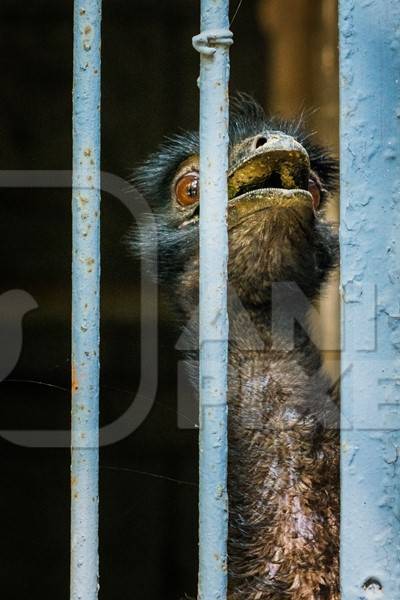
<point x="283" y="477"/>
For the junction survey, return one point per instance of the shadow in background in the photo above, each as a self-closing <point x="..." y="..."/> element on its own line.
<point x="148" y="523"/>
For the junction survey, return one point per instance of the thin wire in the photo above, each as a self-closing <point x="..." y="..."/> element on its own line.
<point x="103" y="387"/>
<point x="236" y="11"/>
<point x="36" y="382"/>
<point x="149" y="474"/>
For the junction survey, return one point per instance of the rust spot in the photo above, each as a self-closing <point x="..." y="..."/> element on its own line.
<point x="74" y="380"/>
<point x="87" y="30"/>
<point x="74" y="481"/>
<point x="87" y="152"/>
<point x="83" y="200"/>
<point x="76" y="495"/>
<point x="82" y="12"/>
<point x="90" y="261"/>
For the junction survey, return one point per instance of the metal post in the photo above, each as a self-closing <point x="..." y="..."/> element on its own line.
<point x="85" y="300"/>
<point x="370" y="204"/>
<point x="213" y="44"/>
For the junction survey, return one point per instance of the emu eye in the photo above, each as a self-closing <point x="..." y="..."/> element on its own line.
<point x="315" y="192"/>
<point x="187" y="190"/>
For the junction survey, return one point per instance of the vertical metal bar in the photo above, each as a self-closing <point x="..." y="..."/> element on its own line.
<point x="85" y="300"/>
<point x="214" y="121"/>
<point x="370" y="184"/>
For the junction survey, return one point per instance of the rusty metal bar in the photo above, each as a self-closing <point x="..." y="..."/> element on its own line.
<point x="85" y="300"/>
<point x="370" y="225"/>
<point x="213" y="44"/>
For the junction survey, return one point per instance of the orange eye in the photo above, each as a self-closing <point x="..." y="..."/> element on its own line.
<point x="187" y="189"/>
<point x="315" y="192"/>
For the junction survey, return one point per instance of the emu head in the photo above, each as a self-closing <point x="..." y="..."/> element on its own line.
<point x="278" y="183"/>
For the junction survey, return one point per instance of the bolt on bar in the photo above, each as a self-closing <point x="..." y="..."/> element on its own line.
<point x="85" y="300"/>
<point x="370" y="266"/>
<point x="213" y="44"/>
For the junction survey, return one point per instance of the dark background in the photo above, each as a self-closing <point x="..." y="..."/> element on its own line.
<point x="148" y="524"/>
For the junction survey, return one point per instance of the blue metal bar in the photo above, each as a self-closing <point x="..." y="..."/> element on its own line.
<point x="213" y="44"/>
<point x="85" y="300"/>
<point x="370" y="184"/>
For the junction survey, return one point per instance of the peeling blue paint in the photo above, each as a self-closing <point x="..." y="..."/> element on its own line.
<point x="370" y="220"/>
<point x="85" y="300"/>
<point x="213" y="43"/>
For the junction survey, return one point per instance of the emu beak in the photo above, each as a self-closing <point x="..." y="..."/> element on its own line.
<point x="269" y="171"/>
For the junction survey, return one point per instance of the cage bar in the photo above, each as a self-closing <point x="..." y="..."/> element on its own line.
<point x="213" y="43"/>
<point x="370" y="271"/>
<point x="85" y="300"/>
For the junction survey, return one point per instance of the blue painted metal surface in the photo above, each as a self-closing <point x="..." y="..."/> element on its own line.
<point x="85" y="300"/>
<point x="370" y="226"/>
<point x="213" y="44"/>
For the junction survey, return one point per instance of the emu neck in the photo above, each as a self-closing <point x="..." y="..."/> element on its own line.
<point x="279" y="458"/>
<point x="261" y="330"/>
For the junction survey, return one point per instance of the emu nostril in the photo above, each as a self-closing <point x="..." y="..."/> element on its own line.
<point x="259" y="141"/>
